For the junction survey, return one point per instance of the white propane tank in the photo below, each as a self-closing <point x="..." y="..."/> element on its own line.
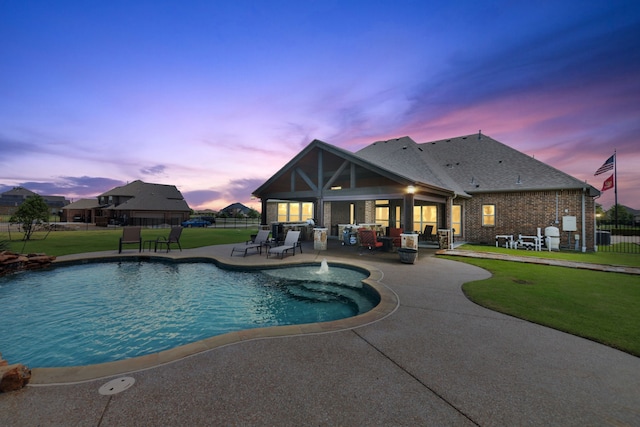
<point x="552" y="235"/>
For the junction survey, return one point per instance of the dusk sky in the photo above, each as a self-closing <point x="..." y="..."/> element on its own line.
<point x="216" y="96"/>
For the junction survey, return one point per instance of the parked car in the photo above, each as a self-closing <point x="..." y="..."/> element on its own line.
<point x="196" y="222"/>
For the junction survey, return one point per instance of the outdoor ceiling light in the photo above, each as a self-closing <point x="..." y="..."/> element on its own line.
<point x="411" y="189"/>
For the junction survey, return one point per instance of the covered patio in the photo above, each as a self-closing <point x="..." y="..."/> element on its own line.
<point x="335" y="188"/>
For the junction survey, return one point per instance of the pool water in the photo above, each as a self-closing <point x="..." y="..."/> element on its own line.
<point x="100" y="312"/>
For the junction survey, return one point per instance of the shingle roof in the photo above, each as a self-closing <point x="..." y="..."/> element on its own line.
<point x="83" y="204"/>
<point x="355" y="158"/>
<point x="464" y="165"/>
<point x="479" y="163"/>
<point x="136" y="187"/>
<point x="235" y="207"/>
<point x="19" y="191"/>
<point x="406" y="158"/>
<point x="468" y="164"/>
<point x="149" y="197"/>
<point x="153" y="202"/>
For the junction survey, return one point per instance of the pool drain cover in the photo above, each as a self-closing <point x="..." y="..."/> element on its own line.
<point x="116" y="386"/>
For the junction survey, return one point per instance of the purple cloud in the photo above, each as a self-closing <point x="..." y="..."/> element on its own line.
<point x="153" y="170"/>
<point x="68" y="186"/>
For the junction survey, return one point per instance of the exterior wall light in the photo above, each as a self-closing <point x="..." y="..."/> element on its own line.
<point x="411" y="189"/>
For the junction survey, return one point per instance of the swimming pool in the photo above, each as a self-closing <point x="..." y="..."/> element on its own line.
<point x="99" y="312"/>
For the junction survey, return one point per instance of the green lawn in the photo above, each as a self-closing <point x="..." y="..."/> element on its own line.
<point x="59" y="243"/>
<point x="607" y="258"/>
<point x="599" y="306"/>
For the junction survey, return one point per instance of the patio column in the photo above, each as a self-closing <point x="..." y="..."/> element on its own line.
<point x="319" y="212"/>
<point x="407" y="215"/>
<point x="263" y="213"/>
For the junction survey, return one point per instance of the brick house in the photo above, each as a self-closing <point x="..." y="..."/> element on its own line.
<point x="473" y="185"/>
<point x="137" y="203"/>
<point x="12" y="199"/>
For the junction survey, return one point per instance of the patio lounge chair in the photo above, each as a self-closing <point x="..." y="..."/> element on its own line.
<point x="368" y="239"/>
<point x="256" y="243"/>
<point x="174" y="237"/>
<point x="290" y="243"/>
<point x="131" y="236"/>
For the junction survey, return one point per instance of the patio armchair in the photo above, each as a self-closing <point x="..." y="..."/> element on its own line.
<point x="131" y="236"/>
<point x="395" y="233"/>
<point x="174" y="238"/>
<point x="368" y="239"/>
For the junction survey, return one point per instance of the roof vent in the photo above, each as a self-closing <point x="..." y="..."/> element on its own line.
<point x="479" y="135"/>
<point x="420" y="148"/>
<point x="519" y="181"/>
<point x="404" y="148"/>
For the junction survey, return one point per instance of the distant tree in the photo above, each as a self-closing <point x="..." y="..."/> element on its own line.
<point x="253" y="213"/>
<point x="624" y="216"/>
<point x="33" y="211"/>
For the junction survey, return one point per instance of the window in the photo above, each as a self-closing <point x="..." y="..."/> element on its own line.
<point x="283" y="212"/>
<point x="488" y="215"/>
<point x="295" y="211"/>
<point x="424" y="215"/>
<point x="382" y="212"/>
<point x="307" y="211"/>
<point x="456" y="219"/>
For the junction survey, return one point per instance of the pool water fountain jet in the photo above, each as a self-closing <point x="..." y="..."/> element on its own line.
<point x="324" y="267"/>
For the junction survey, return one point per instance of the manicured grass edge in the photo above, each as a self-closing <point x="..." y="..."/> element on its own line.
<point x="574" y="327"/>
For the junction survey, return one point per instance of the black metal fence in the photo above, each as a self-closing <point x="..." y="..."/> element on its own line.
<point x="219" y="222"/>
<point x="236" y="223"/>
<point x="618" y="237"/>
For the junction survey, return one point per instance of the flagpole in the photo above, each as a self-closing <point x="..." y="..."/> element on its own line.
<point x="615" y="184"/>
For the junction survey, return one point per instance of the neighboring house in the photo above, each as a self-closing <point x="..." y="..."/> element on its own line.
<point x="235" y="209"/>
<point x="473" y="185"/>
<point x="137" y="203"/>
<point x="10" y="200"/>
<point x="82" y="210"/>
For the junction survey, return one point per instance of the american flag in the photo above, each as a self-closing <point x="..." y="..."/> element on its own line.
<point x="606" y="166"/>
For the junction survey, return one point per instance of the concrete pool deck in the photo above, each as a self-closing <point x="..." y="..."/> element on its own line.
<point x="436" y="359"/>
